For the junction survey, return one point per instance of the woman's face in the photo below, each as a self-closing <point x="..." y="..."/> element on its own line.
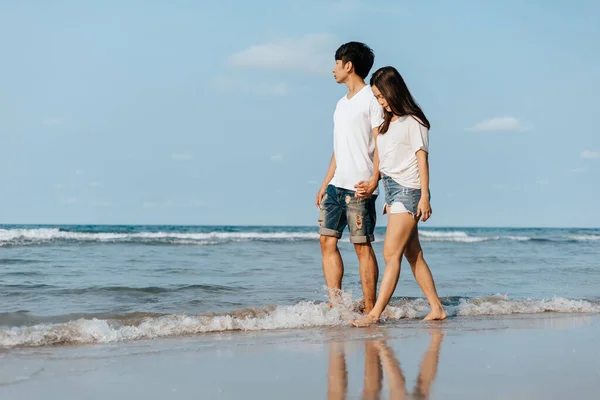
<point x="382" y="102"/>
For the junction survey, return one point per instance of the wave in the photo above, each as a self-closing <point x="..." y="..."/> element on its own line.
<point x="40" y="236"/>
<point x="102" y="328"/>
<point x="453" y="236"/>
<point x="49" y="235"/>
<point x="584" y="238"/>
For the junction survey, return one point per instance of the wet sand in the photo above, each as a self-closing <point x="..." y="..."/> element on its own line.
<point x="543" y="356"/>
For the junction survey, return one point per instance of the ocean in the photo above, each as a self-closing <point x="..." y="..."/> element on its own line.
<point x="91" y="284"/>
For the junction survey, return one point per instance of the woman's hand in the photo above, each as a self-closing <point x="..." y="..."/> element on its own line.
<point x="424" y="209"/>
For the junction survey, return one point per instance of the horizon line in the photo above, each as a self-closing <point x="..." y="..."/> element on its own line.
<point x="295" y="226"/>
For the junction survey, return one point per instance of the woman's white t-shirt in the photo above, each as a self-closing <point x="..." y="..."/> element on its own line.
<point x="397" y="150"/>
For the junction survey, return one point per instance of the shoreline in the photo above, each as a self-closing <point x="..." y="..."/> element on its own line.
<point x="497" y="357"/>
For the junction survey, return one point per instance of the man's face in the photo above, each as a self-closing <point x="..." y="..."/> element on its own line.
<point x="341" y="71"/>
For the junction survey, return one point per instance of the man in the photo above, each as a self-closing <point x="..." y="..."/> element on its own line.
<point x="356" y="119"/>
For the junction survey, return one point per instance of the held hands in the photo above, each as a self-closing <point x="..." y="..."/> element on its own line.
<point x="364" y="189"/>
<point x="424" y="209"/>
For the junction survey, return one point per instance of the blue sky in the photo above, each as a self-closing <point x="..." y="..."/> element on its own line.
<point x="198" y="112"/>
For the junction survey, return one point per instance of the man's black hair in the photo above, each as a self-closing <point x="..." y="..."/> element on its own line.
<point x="359" y="54"/>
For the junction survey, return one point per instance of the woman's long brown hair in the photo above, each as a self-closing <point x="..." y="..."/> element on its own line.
<point x="394" y="90"/>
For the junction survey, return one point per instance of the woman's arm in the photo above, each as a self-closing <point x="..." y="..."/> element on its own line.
<point x="424" y="208"/>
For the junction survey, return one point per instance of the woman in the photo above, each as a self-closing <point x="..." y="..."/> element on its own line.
<point x="403" y="145"/>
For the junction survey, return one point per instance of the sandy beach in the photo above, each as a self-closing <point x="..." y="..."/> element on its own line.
<point x="543" y="356"/>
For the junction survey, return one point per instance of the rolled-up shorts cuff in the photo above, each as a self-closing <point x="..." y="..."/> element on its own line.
<point x="330" y="232"/>
<point x="396" y="207"/>
<point x="362" y="239"/>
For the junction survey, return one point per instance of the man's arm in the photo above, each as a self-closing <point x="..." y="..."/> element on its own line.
<point x="328" y="178"/>
<point x="365" y="189"/>
<point x="376" y="176"/>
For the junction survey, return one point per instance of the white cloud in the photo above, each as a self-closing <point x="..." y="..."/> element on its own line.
<point x="278" y="89"/>
<point x="346" y="5"/>
<point x="310" y="53"/>
<point x="59" y="186"/>
<point x="226" y="84"/>
<point x="499" y="124"/>
<point x="157" y="204"/>
<point x="543" y="182"/>
<point x="71" y="200"/>
<point x="94" y="184"/>
<point x="507" y="187"/>
<point x="171" y="204"/>
<point x="590" y="154"/>
<point x="277" y="157"/>
<point x="196" y="203"/>
<point x="181" y="156"/>
<point x="79" y="172"/>
<point x="51" y="121"/>
<point x="578" y="170"/>
<point x="362" y="7"/>
<point x="101" y="204"/>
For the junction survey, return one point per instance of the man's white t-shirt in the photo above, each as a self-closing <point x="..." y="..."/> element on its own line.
<point x="354" y="147"/>
<point x="397" y="151"/>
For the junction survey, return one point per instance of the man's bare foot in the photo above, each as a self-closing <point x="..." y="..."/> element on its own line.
<point x="437" y="314"/>
<point x="365" y="321"/>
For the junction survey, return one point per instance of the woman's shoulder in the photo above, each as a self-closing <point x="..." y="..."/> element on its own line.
<point x="415" y="122"/>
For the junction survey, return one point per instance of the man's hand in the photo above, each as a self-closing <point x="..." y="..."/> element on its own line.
<point x="364" y="189"/>
<point x="320" y="195"/>
<point x="424" y="209"/>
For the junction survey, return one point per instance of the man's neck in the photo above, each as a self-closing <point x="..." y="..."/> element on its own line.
<point x="355" y="84"/>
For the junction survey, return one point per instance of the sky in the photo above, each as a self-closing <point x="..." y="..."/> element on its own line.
<point x="221" y="113"/>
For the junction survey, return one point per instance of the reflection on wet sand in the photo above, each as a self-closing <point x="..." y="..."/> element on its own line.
<point x="380" y="360"/>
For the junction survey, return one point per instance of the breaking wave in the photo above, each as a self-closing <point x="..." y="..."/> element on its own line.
<point x="102" y="328"/>
<point x="40" y="236"/>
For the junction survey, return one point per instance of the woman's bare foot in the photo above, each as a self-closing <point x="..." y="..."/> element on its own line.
<point x="436" y="314"/>
<point x="365" y="321"/>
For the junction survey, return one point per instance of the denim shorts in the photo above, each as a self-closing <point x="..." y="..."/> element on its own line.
<point x="339" y="208"/>
<point x="399" y="199"/>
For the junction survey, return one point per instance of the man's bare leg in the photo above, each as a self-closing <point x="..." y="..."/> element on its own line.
<point x="337" y="376"/>
<point x="373" y="372"/>
<point x="333" y="268"/>
<point x="422" y="273"/>
<point x="369" y="274"/>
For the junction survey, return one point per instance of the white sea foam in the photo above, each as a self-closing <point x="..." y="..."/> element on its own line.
<point x="298" y="316"/>
<point x="518" y="238"/>
<point x="584" y="238"/>
<point x="452" y="236"/>
<point x="34" y="236"/>
<point x="44" y="235"/>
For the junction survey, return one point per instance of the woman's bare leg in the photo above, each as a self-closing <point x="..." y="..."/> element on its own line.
<point x="395" y="377"/>
<point x="429" y="365"/>
<point x="398" y="232"/>
<point x="422" y="273"/>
